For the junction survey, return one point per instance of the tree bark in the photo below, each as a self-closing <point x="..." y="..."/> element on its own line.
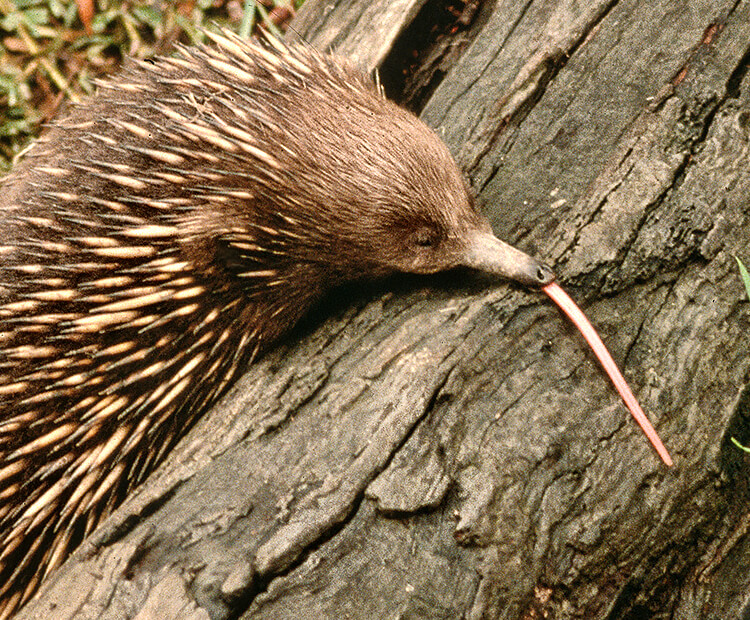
<point x="446" y="449"/>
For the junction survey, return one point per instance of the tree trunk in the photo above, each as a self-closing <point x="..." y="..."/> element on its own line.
<point x="434" y="448"/>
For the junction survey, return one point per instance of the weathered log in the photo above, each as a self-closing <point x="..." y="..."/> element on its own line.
<point x="451" y="449"/>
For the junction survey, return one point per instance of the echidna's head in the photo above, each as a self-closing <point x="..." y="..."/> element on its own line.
<point x="401" y="202"/>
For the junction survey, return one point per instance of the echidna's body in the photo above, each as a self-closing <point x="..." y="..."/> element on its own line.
<point x="156" y="240"/>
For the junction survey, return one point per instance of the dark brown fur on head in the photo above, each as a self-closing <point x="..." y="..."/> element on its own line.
<point x="168" y="230"/>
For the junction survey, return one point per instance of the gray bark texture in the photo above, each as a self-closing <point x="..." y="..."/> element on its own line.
<point x="444" y="449"/>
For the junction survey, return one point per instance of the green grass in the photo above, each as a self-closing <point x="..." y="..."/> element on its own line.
<point x="739" y="445"/>
<point x="745" y="276"/>
<point x="47" y="58"/>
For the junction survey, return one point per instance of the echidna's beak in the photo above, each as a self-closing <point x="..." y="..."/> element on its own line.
<point x="487" y="253"/>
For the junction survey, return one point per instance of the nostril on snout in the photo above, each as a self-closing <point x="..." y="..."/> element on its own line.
<point x="544" y="274"/>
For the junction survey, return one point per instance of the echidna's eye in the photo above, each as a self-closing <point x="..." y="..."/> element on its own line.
<point x="425" y="238"/>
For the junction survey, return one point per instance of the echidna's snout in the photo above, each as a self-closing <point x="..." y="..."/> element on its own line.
<point x="487" y="253"/>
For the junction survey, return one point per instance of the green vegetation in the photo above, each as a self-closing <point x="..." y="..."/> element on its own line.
<point x="48" y="56"/>
<point x="739" y="445"/>
<point x="745" y="276"/>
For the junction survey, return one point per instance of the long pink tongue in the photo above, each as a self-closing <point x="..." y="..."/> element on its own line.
<point x="569" y="307"/>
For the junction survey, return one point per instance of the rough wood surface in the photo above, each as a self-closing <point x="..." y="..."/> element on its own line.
<point x="451" y="449"/>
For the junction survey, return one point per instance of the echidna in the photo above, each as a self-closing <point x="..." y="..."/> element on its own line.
<point x="169" y="230"/>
